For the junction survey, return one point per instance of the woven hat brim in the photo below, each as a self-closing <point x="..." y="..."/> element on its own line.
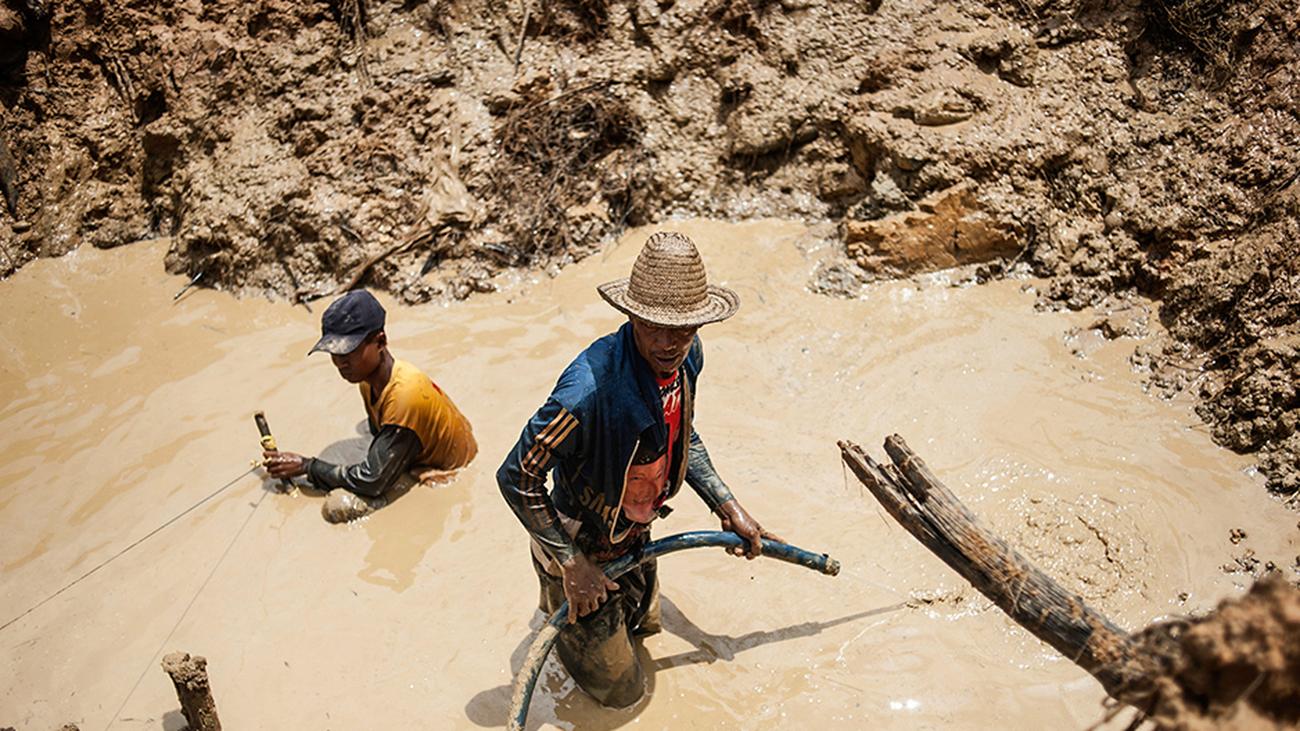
<point x="719" y="304"/>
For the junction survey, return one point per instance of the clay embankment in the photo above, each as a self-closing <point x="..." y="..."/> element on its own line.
<point x="296" y="147"/>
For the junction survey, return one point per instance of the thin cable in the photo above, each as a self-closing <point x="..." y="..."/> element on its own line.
<point x="189" y="606"/>
<point x="114" y="557"/>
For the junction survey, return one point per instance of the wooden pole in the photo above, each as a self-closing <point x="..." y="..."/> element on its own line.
<point x="190" y="676"/>
<point x="930" y="512"/>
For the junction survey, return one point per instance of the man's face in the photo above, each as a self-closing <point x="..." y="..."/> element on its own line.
<point x="357" y="366"/>
<point x="664" y="348"/>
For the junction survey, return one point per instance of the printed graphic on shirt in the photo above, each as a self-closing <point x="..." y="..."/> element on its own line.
<point x="670" y="395"/>
<point x="647" y="477"/>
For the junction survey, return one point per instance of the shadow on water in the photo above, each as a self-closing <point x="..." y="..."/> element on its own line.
<point x="401" y="539"/>
<point x="711" y="648"/>
<point x="174" y="721"/>
<point x="490" y="708"/>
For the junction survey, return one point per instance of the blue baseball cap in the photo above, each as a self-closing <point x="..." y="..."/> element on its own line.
<point x="348" y="321"/>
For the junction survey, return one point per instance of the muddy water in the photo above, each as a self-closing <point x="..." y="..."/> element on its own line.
<point x="122" y="408"/>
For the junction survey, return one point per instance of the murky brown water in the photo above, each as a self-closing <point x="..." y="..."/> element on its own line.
<point x="122" y="408"/>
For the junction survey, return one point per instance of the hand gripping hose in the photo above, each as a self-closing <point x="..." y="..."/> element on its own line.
<point x="541" y="647"/>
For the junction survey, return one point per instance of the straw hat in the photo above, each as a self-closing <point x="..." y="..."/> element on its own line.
<point x="668" y="286"/>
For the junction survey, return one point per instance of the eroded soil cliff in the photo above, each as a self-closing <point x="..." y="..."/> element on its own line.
<point x="421" y="147"/>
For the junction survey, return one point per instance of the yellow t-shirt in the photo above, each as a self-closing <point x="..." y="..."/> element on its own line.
<point x="412" y="400"/>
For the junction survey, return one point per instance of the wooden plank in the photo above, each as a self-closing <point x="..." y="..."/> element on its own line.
<point x="922" y="504"/>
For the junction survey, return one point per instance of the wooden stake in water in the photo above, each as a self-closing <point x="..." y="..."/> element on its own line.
<point x="190" y="676"/>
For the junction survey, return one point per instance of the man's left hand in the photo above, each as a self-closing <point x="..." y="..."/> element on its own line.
<point x="284" y="464"/>
<point x="737" y="520"/>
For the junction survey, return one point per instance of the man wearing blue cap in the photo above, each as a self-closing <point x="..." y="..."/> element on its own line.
<point x="413" y="422"/>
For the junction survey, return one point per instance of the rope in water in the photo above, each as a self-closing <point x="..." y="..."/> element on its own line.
<point x="137" y="542"/>
<point x="213" y="572"/>
<point x="526" y="679"/>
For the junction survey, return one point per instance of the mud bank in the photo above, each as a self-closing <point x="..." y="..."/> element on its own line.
<point x="423" y="610"/>
<point x="1240" y="661"/>
<point x="420" y="147"/>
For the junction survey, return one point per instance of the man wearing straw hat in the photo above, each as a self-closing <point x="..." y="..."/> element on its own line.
<point x="617" y="432"/>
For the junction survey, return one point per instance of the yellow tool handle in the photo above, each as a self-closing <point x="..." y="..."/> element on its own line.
<point x="268" y="442"/>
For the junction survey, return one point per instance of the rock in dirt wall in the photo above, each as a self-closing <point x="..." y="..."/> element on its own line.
<point x="420" y="146"/>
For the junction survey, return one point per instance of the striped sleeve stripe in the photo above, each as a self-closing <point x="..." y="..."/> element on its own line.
<point x="535" y="462"/>
<point x="542" y="444"/>
<point x="540" y="455"/>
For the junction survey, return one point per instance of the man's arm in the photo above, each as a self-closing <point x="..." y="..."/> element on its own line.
<point x="551" y="433"/>
<point x="702" y="477"/>
<point x="700" y="473"/>
<point x="391" y="453"/>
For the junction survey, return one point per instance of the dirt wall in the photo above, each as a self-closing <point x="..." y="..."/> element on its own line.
<point x="1236" y="667"/>
<point x="420" y="147"/>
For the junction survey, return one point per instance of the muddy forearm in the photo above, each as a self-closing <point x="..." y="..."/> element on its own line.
<point x="703" y="478"/>
<point x="549" y="434"/>
<point x="556" y="542"/>
<point x="391" y="454"/>
<point x="533" y="507"/>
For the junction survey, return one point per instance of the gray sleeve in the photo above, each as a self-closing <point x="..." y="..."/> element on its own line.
<point x="702" y="477"/>
<point x="393" y="451"/>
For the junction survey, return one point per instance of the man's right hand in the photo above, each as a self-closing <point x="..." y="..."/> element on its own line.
<point x="585" y="586"/>
<point x="283" y="465"/>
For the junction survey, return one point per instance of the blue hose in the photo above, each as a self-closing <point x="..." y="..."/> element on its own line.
<point x="526" y="679"/>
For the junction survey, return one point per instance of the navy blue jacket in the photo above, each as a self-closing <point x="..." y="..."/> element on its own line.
<point x="605" y="404"/>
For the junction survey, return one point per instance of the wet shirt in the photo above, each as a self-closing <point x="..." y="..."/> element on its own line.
<point x="603" y="410"/>
<point x="414" y="424"/>
<point x="412" y="400"/>
<point x="650" y="472"/>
